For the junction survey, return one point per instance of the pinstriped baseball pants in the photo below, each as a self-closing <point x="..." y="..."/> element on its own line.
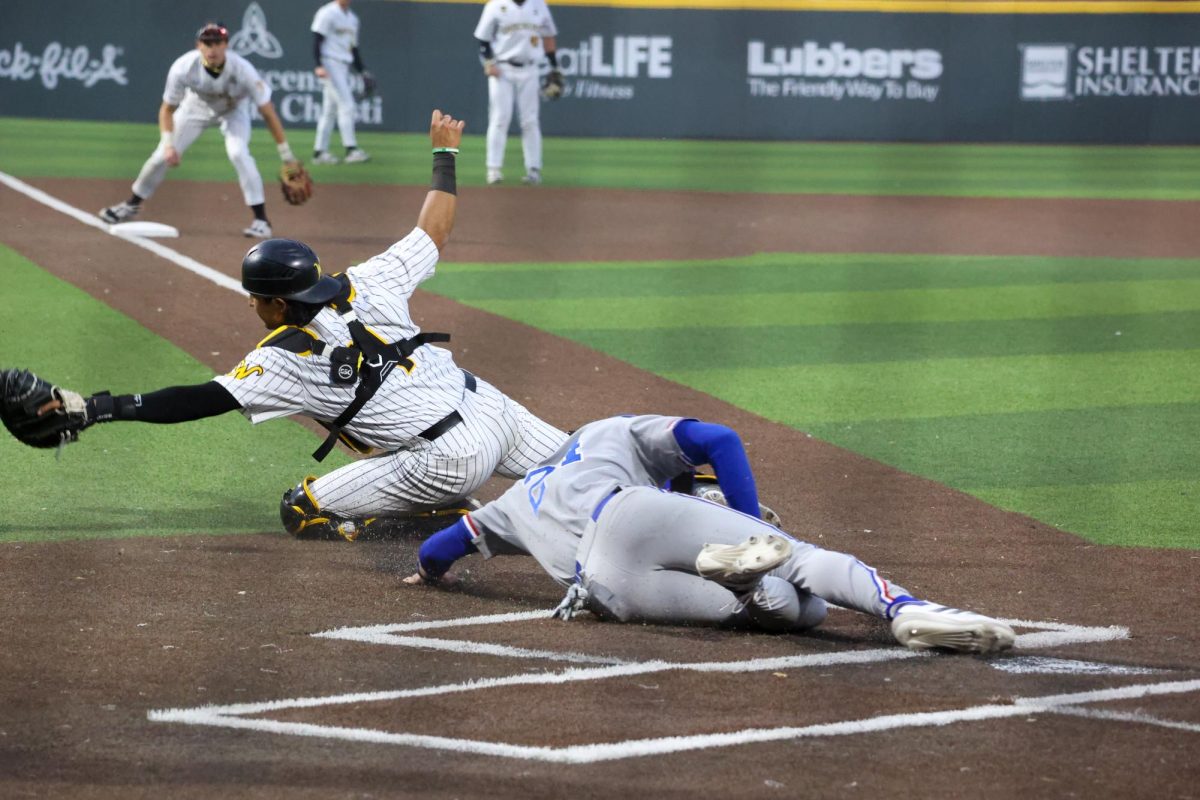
<point x="497" y="435"/>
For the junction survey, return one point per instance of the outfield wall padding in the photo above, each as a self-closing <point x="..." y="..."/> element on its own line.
<point x="634" y="72"/>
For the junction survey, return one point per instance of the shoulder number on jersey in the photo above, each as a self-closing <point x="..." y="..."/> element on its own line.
<point x="536" y="481"/>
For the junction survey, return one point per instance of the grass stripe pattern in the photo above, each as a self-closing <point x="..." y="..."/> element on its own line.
<point x="31" y="148"/>
<point x="1061" y="388"/>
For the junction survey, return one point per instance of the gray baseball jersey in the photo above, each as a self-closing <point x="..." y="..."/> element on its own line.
<point x="545" y="514"/>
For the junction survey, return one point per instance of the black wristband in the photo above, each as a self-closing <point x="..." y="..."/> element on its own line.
<point x="552" y="58"/>
<point x="103" y="407"/>
<point x="444" y="179"/>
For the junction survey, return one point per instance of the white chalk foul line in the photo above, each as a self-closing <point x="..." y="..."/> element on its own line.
<point x="175" y="257"/>
<point x="610" y="751"/>
<point x="554" y="678"/>
<point x="1047" y="634"/>
<point x="1121" y="716"/>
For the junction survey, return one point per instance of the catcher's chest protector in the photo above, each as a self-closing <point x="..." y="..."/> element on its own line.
<point x="368" y="362"/>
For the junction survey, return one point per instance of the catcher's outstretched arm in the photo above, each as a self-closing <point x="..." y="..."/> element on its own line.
<point x="165" y="406"/>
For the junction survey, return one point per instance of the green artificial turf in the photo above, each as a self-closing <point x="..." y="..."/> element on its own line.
<point x="65" y="148"/>
<point x="1067" y="389"/>
<point x="121" y="479"/>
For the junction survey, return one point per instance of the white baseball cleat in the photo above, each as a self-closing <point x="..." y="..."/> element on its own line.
<point x="532" y="178"/>
<point x="739" y="566"/>
<point x="118" y="213"/>
<point x="494" y="176"/>
<point x="259" y="229"/>
<point x="325" y="157"/>
<point x="356" y="156"/>
<point x="927" y="626"/>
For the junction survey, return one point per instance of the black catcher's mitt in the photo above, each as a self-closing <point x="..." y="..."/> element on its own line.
<point x="369" y="85"/>
<point x="553" y="85"/>
<point x="22" y="394"/>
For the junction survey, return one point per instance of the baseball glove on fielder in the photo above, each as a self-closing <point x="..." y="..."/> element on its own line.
<point x="21" y="395"/>
<point x="296" y="183"/>
<point x="369" y="85"/>
<point x="553" y="85"/>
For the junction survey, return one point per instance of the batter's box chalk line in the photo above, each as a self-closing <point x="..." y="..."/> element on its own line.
<point x="1045" y="634"/>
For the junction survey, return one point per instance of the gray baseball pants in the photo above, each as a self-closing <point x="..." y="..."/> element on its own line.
<point x="637" y="561"/>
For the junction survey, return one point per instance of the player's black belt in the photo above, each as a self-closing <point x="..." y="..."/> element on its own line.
<point x="450" y="420"/>
<point x="517" y="63"/>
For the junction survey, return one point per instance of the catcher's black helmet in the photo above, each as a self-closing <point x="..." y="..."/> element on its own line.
<point x="288" y="269"/>
<point x="212" y="32"/>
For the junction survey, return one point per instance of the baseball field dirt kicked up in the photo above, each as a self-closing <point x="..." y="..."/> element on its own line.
<point x="99" y="634"/>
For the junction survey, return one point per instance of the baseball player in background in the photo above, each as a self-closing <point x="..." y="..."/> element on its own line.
<point x="513" y="36"/>
<point x="595" y="518"/>
<point x="438" y="431"/>
<point x="207" y="87"/>
<point x="335" y="48"/>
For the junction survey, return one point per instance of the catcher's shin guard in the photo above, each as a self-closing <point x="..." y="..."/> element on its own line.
<point x="303" y="518"/>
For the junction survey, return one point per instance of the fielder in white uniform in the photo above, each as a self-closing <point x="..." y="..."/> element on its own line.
<point x="595" y="517"/>
<point x="208" y="87"/>
<point x="437" y="431"/>
<point x="513" y="37"/>
<point x="335" y="48"/>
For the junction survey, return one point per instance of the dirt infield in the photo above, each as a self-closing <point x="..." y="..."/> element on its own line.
<point x="99" y="635"/>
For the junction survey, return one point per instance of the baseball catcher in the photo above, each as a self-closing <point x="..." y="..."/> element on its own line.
<point x="296" y="183"/>
<point x="343" y="350"/>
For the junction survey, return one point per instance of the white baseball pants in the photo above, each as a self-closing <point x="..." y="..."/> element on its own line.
<point x="337" y="102"/>
<point x="638" y="564"/>
<point x="189" y="124"/>
<point x="497" y="435"/>
<point x="519" y="84"/>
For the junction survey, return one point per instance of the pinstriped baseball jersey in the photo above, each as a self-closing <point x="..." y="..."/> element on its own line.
<point x="492" y="432"/>
<point x="191" y="86"/>
<point x="272" y="382"/>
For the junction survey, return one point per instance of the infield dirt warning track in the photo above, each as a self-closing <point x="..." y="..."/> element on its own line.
<point x="308" y="670"/>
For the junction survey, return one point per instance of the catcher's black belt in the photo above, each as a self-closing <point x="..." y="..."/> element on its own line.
<point x="450" y="420"/>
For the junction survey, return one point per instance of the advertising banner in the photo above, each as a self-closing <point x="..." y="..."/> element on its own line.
<point x="675" y="73"/>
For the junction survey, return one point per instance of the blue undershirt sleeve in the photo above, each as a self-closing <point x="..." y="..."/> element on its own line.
<point x="720" y="446"/>
<point x="439" y="552"/>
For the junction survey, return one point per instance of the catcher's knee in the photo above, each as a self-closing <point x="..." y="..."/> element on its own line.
<point x="303" y="517"/>
<point x="300" y="511"/>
